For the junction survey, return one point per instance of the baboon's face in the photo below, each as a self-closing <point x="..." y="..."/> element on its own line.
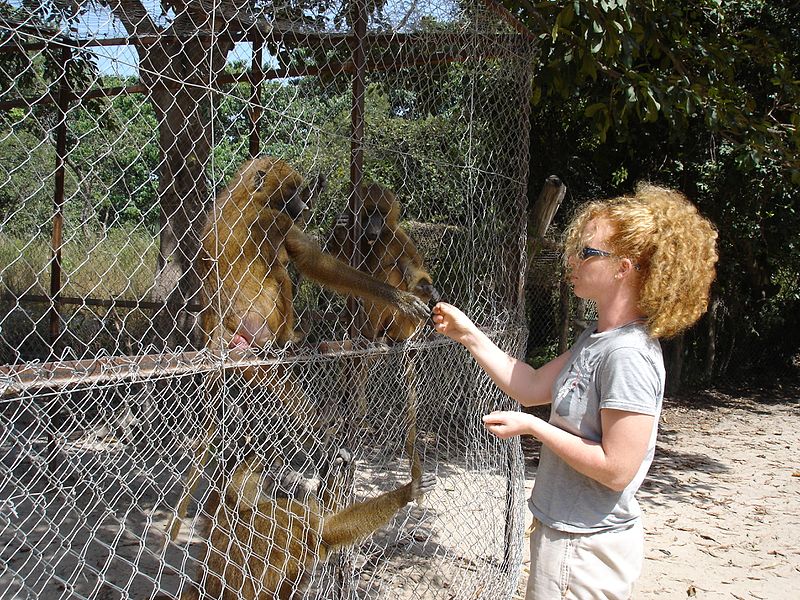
<point x="376" y="213"/>
<point x="299" y="201"/>
<point x="272" y="183"/>
<point x="295" y="197"/>
<point x="372" y="223"/>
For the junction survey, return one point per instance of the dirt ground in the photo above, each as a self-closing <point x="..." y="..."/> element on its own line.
<point x="721" y="505"/>
<point x="722" y="500"/>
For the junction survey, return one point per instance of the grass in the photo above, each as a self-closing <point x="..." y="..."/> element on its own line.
<point x="118" y="265"/>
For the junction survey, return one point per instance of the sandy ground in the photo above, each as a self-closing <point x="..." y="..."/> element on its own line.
<point x="721" y="503"/>
<point x="722" y="500"/>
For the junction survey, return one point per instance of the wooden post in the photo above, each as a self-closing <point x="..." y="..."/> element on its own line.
<point x="354" y="368"/>
<point x="357" y="152"/>
<point x="543" y="212"/>
<point x="563" y="314"/>
<point x="57" y="236"/>
<point x="711" y="340"/>
<point x="539" y="220"/>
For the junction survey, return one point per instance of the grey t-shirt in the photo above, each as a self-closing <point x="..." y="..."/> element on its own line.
<point x="620" y="369"/>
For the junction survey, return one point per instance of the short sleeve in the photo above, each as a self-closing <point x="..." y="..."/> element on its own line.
<point x="630" y="381"/>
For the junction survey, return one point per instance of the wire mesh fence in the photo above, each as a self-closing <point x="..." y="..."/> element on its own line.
<point x="221" y="226"/>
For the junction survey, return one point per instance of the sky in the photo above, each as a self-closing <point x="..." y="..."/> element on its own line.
<point x="97" y="21"/>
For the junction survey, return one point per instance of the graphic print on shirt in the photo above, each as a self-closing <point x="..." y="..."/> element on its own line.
<point x="571" y="397"/>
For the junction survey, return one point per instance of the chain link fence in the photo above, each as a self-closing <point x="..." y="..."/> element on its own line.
<point x="192" y="401"/>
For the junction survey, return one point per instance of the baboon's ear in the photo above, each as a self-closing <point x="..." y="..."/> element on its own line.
<point x="258" y="180"/>
<point x="315" y="188"/>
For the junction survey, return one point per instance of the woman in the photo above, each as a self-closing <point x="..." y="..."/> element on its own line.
<point x="647" y="261"/>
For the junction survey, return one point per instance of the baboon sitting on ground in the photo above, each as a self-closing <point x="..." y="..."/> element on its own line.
<point x="267" y="526"/>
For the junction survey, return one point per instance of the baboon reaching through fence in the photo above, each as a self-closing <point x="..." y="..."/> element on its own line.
<point x="266" y="527"/>
<point x="249" y="240"/>
<point x="248" y="243"/>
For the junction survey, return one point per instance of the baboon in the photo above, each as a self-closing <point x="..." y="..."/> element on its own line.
<point x="389" y="255"/>
<point x="266" y="528"/>
<point x="249" y="240"/>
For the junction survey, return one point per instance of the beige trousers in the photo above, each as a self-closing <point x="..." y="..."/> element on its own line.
<point x="575" y="566"/>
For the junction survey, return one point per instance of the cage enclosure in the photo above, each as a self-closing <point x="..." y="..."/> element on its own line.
<point x="220" y="225"/>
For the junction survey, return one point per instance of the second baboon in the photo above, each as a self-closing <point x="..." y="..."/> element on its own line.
<point x="267" y="527"/>
<point x="388" y="255"/>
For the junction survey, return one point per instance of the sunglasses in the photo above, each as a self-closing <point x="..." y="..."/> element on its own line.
<point x="589" y="252"/>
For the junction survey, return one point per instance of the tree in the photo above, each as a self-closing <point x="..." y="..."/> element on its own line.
<point x="700" y="95"/>
<point x="179" y="70"/>
<point x="732" y="64"/>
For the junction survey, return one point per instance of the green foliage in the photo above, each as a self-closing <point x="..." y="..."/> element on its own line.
<point x="541" y="355"/>
<point x="730" y="65"/>
<point x="117" y="160"/>
<point x="415" y="157"/>
<point x="24" y="265"/>
<point x="51" y="70"/>
<point x="702" y="96"/>
<point x="26" y="197"/>
<point x="307" y="122"/>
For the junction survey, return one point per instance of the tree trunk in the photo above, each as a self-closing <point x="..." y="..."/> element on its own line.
<point x="675" y="371"/>
<point x="711" y="341"/>
<point x="184" y="115"/>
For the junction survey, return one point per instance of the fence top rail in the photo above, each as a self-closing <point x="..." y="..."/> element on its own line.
<point x="23" y="378"/>
<point x="291" y="37"/>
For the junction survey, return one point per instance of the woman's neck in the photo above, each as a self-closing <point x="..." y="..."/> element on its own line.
<point x="617" y="314"/>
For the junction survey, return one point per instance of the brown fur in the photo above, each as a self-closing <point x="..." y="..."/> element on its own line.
<point x="263" y="540"/>
<point x="391" y="258"/>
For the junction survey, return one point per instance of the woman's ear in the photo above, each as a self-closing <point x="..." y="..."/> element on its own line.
<point x="626" y="267"/>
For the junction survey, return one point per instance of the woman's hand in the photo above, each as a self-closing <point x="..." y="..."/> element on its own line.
<point x="450" y="321"/>
<point x="506" y="424"/>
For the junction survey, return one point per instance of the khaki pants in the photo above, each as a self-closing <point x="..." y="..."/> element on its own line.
<point x="574" y="566"/>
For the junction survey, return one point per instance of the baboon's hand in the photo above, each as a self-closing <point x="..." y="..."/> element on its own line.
<point x="341" y="227"/>
<point x="423" y="485"/>
<point x="333" y="462"/>
<point x="344" y="220"/>
<point x="427" y="290"/>
<point x="292" y="484"/>
<point x="342" y="457"/>
<point x="412" y="306"/>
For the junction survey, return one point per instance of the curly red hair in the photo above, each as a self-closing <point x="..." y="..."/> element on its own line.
<point x="674" y="246"/>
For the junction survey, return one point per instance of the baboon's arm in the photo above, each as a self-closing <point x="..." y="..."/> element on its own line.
<point x="361" y="519"/>
<point x="341" y="277"/>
